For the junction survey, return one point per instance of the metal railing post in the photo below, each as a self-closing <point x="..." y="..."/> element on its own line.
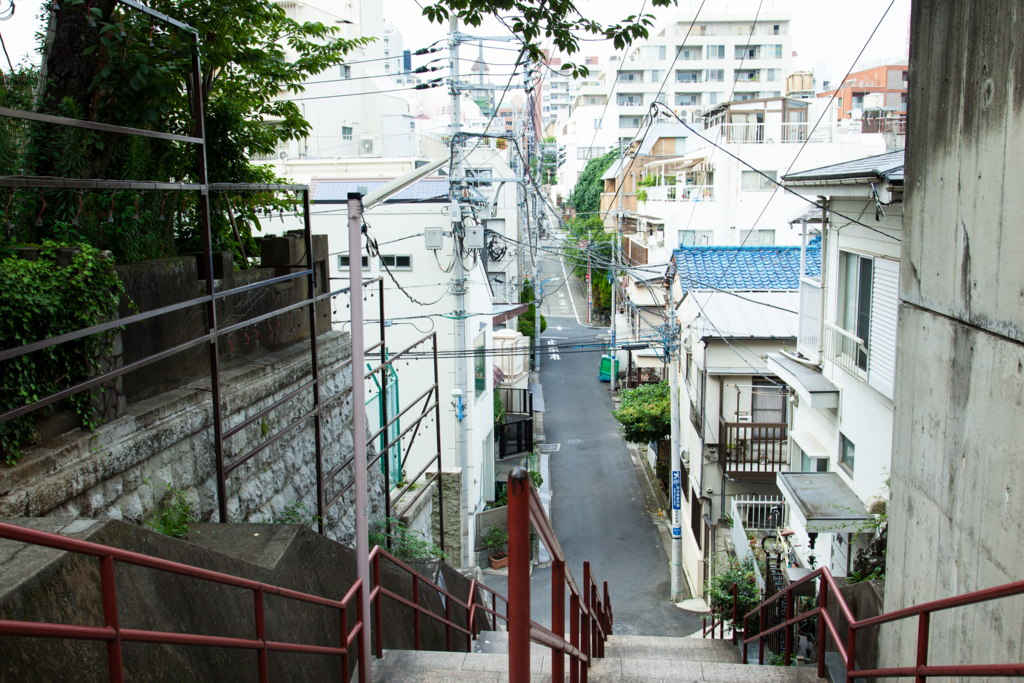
<point x="362" y="612"/>
<point x="519" y="576"/>
<point x="745" y="661"/>
<point x="377" y="610"/>
<point x="558" y="618"/>
<point x="822" y="630"/>
<point x="788" y="630"/>
<point x="261" y="634"/>
<point x="762" y="640"/>
<point x="574" y="636"/>
<point x="416" y="612"/>
<point x="585" y="630"/>
<point x="108" y="589"/>
<point x="851" y="653"/>
<point x="343" y="625"/>
<point x="735" y="606"/>
<point x="314" y="367"/>
<point x="923" y="626"/>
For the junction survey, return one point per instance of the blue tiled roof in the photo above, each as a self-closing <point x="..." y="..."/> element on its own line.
<point x="745" y="267"/>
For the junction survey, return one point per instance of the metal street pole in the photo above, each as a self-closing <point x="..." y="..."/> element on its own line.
<point x="677" y="470"/>
<point x="614" y="284"/>
<point x="458" y="284"/>
<point x="355" y="225"/>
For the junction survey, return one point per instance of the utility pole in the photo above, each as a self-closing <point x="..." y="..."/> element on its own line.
<point x="614" y="283"/>
<point x="355" y="238"/>
<point x="672" y="347"/>
<point x="458" y="285"/>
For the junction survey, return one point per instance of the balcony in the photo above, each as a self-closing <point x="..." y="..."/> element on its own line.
<point x="809" y="339"/>
<point x="847" y="351"/>
<point x="759" y="133"/>
<point x="681" y="193"/>
<point x="752" y="449"/>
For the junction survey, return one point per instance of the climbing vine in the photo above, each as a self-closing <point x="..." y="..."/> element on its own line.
<point x="50" y="291"/>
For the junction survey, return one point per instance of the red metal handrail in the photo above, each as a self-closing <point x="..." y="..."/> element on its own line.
<point x="720" y="622"/>
<point x="470" y="605"/>
<point x="920" y="672"/>
<point x="590" y="616"/>
<point x="114" y="635"/>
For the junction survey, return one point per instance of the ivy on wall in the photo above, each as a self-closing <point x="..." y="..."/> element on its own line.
<point x="66" y="288"/>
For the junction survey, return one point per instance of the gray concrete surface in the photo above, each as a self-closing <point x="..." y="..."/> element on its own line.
<point x="599" y="509"/>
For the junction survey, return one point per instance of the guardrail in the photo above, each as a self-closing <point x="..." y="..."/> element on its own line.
<point x="590" y="616"/>
<point x="846" y="350"/>
<point x="112" y="633"/>
<point x="470" y="605"/>
<point x="921" y="670"/>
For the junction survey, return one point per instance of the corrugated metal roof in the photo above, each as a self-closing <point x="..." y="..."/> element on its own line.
<point x="743" y="315"/>
<point x="745" y="267"/>
<point x="888" y="165"/>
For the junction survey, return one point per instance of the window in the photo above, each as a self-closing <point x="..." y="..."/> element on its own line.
<point x="397" y="262"/>
<point x="716" y="52"/>
<point x="653" y="52"/>
<point x="630" y="77"/>
<point x="346" y="132"/>
<point x="857" y="100"/>
<point x="854" y="315"/>
<point x="687" y="238"/>
<point x="773" y="74"/>
<point x="688" y="53"/>
<point x="747" y="52"/>
<point x="629" y="122"/>
<point x="598" y="123"/>
<point x="846" y="454"/>
<point x="687" y="99"/>
<point x="481" y="377"/>
<point x="346" y="71"/>
<point x="343" y="262"/>
<point x="387" y="67"/>
<point x="715" y="75"/>
<point x="771" y="52"/>
<point x="753" y="180"/>
<point x="744" y="96"/>
<point x="775" y="30"/>
<point x="809" y="464"/>
<point x="630" y="100"/>
<point x="587" y="153"/>
<point x="687" y="77"/>
<point x="716" y="97"/>
<point x="760" y="238"/>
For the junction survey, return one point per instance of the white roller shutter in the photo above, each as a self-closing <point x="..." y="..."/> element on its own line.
<point x="884" y="321"/>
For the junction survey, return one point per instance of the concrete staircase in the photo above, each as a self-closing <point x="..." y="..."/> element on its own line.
<point x="636" y="659"/>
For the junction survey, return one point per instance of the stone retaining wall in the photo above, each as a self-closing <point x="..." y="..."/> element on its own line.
<point x="122" y="470"/>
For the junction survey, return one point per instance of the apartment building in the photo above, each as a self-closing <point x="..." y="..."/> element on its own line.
<point x="841" y="373"/>
<point x="558" y="87"/>
<point x="397" y="62"/>
<point x="876" y="90"/>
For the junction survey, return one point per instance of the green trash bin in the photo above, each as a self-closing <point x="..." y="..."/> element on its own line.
<point x="605" y="374"/>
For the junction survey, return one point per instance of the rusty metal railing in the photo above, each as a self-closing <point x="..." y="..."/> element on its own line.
<point x="113" y="634"/>
<point x="718" y="616"/>
<point x="469" y="606"/>
<point x="921" y="670"/>
<point x="590" y="615"/>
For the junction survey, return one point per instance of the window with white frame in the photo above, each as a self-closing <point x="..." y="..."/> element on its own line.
<point x="758" y="238"/>
<point x="716" y="97"/>
<point x="397" y="262"/>
<point x="847" y="454"/>
<point x="715" y="51"/>
<point x="629" y="121"/>
<point x="688" y="53"/>
<point x="771" y="52"/>
<point x="772" y="74"/>
<point x="598" y="124"/>
<point x="630" y="99"/>
<point x="587" y="153"/>
<point x="687" y="99"/>
<point x="657" y="75"/>
<point x="653" y="52"/>
<point x="346" y="71"/>
<point x="687" y="76"/>
<point x="754" y="180"/>
<point x="809" y="464"/>
<point x="715" y="76"/>
<point x="854" y="307"/>
<point x="343" y="262"/>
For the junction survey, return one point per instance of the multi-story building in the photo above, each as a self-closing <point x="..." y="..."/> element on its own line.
<point x="394" y="50"/>
<point x="558" y="87"/>
<point x="874" y="91"/>
<point x="841" y="371"/>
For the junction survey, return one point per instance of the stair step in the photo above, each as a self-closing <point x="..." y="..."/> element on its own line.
<point x="404" y="666"/>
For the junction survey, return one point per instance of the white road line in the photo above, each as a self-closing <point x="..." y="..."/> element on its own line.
<point x="572" y="300"/>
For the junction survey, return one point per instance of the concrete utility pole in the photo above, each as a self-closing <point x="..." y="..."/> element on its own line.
<point x="677" y="469"/>
<point x="355" y="275"/>
<point x="458" y="285"/>
<point x="614" y="283"/>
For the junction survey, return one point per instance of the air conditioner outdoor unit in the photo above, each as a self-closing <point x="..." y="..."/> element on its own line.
<point x="366" y="147"/>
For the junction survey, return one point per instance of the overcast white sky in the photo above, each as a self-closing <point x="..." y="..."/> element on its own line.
<point x="826" y="35"/>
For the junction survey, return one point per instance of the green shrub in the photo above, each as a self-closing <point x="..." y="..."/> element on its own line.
<point x="645" y="413"/>
<point x="406" y="544"/>
<point x="497" y="539"/>
<point x="719" y="591"/>
<point x="38" y="300"/>
<point x="173" y="514"/>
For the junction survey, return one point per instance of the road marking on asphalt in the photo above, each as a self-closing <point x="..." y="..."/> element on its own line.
<point x="571" y="298"/>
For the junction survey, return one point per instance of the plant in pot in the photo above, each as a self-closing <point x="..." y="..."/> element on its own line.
<point x="497" y="540"/>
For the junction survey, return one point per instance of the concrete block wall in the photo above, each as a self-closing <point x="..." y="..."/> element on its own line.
<point x="451" y="487"/>
<point x="121" y="470"/>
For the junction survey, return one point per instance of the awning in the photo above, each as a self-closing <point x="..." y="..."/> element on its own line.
<point x="809" y="384"/>
<point x="811" y="447"/>
<point x="821" y="502"/>
<point x="684" y="164"/>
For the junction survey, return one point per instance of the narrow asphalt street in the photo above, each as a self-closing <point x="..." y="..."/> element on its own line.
<point x="599" y="509"/>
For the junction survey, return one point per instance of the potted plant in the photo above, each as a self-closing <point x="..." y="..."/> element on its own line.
<point x="497" y="540"/>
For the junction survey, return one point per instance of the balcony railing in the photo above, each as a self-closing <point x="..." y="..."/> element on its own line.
<point x="757" y="133"/>
<point x="846" y="350"/>
<point x="809" y="341"/>
<point x="755" y="512"/>
<point x="752" y="448"/>
<point x="681" y="193"/>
